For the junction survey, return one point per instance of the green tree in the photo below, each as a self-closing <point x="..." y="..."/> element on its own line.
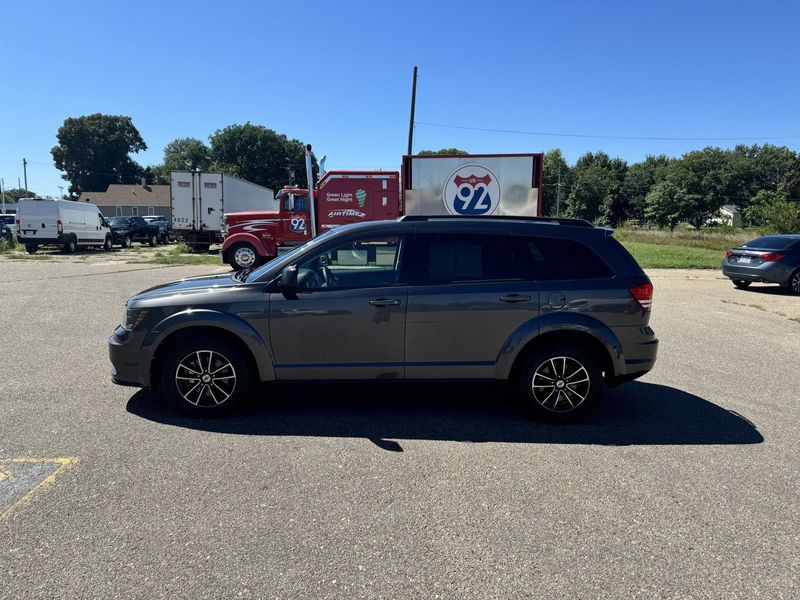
<point x="94" y="151"/>
<point x="444" y="151"/>
<point x="597" y="189"/>
<point x="553" y="163"/>
<point x="181" y="154"/>
<point x="667" y="204"/>
<point x="639" y="180"/>
<point x="260" y="155"/>
<point x="776" y="211"/>
<point x="14" y="194"/>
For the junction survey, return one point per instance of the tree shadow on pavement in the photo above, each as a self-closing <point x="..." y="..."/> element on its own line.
<point x="636" y="413"/>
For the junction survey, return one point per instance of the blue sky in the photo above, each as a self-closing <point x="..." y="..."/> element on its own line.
<point x="338" y="75"/>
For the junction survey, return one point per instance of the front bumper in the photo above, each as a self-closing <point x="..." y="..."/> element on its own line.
<point x="124" y="352"/>
<point x="768" y="272"/>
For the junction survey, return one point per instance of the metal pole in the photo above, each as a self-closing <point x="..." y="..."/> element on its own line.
<point x="413" y="104"/>
<point x="25" y="171"/>
<point x="558" y="196"/>
<point x="310" y="176"/>
<point x="3" y="195"/>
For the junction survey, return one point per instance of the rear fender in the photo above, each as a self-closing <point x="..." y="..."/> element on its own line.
<point x="192" y="318"/>
<point x="558" y="322"/>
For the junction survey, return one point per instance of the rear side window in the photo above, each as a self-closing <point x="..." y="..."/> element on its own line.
<point x="554" y="259"/>
<point x="455" y="258"/>
<point x="772" y="242"/>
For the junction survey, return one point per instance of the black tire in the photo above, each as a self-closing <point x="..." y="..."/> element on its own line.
<point x="575" y="393"/>
<point x="793" y="285"/>
<point x="71" y="246"/>
<point x="31" y="248"/>
<point x="189" y="358"/>
<point x="153" y="241"/>
<point x="162" y="239"/>
<point x="243" y="256"/>
<point x="107" y="243"/>
<point x="741" y="284"/>
<point x="126" y="242"/>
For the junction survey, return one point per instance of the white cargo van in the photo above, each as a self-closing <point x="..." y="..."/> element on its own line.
<point x="65" y="223"/>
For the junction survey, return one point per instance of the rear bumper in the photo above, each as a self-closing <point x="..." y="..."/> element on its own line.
<point x="35" y="240"/>
<point x="640" y="347"/>
<point x="772" y="272"/>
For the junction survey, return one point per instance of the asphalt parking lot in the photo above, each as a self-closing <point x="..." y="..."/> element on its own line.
<point x="683" y="484"/>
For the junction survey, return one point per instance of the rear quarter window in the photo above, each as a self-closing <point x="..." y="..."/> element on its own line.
<point x="549" y="259"/>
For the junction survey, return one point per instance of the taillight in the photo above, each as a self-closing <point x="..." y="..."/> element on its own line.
<point x="60" y="226"/>
<point x="771" y="256"/>
<point x="728" y="253"/>
<point x="643" y="294"/>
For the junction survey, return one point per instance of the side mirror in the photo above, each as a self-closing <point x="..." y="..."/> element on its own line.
<point x="289" y="277"/>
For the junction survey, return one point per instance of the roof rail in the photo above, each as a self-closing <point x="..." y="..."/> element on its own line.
<point x="543" y="220"/>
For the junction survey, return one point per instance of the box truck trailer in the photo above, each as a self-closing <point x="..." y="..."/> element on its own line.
<point x="199" y="201"/>
<point x="470" y="185"/>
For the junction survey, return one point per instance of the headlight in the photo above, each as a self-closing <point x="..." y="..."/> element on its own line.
<point x="134" y="317"/>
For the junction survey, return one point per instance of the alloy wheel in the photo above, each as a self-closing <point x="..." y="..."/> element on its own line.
<point x="795" y="283"/>
<point x="205" y="378"/>
<point x="560" y="384"/>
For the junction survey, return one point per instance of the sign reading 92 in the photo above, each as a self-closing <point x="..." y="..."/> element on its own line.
<point x="471" y="190"/>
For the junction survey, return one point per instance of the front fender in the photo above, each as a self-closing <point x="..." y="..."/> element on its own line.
<point x="207" y="318"/>
<point x="247" y="238"/>
<point x="558" y="322"/>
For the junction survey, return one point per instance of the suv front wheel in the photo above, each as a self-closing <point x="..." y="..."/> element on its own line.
<point x="205" y="378"/>
<point x="559" y="383"/>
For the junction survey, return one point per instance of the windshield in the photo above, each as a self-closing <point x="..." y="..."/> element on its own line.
<point x="117" y="221"/>
<point x="287" y="258"/>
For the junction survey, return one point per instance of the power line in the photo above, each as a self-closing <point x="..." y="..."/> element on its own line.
<point x="612" y="137"/>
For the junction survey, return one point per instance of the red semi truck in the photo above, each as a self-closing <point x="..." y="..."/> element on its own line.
<point x="470" y="185"/>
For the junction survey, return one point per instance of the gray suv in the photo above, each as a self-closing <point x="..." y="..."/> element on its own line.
<point x="555" y="307"/>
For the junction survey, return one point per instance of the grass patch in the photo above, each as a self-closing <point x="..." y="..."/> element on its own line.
<point x="20" y="256"/>
<point x="699" y="238"/>
<point x="181" y="255"/>
<point x="666" y="256"/>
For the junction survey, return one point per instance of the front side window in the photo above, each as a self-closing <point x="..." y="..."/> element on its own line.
<point x="459" y="257"/>
<point x="370" y="262"/>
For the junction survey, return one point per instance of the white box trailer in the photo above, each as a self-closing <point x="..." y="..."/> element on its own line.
<point x="200" y="199"/>
<point x="473" y="185"/>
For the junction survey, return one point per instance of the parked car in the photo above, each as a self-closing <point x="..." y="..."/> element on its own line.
<point x="164" y="227"/>
<point x="768" y="259"/>
<point x="127" y="230"/>
<point x="7" y="227"/>
<point x="65" y="223"/>
<point x="556" y="307"/>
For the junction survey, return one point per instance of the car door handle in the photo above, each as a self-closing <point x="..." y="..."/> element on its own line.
<point x="515" y="298"/>
<point x="384" y="302"/>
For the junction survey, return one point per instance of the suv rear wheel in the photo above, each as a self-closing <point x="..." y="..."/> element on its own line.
<point x="205" y="378"/>
<point x="559" y="383"/>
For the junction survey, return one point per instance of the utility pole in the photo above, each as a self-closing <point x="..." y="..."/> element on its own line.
<point x="558" y="195"/>
<point x="3" y="194"/>
<point x="25" y="172"/>
<point x="413" y="104"/>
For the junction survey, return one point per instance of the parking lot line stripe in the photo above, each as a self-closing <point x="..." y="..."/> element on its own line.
<point x="64" y="463"/>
